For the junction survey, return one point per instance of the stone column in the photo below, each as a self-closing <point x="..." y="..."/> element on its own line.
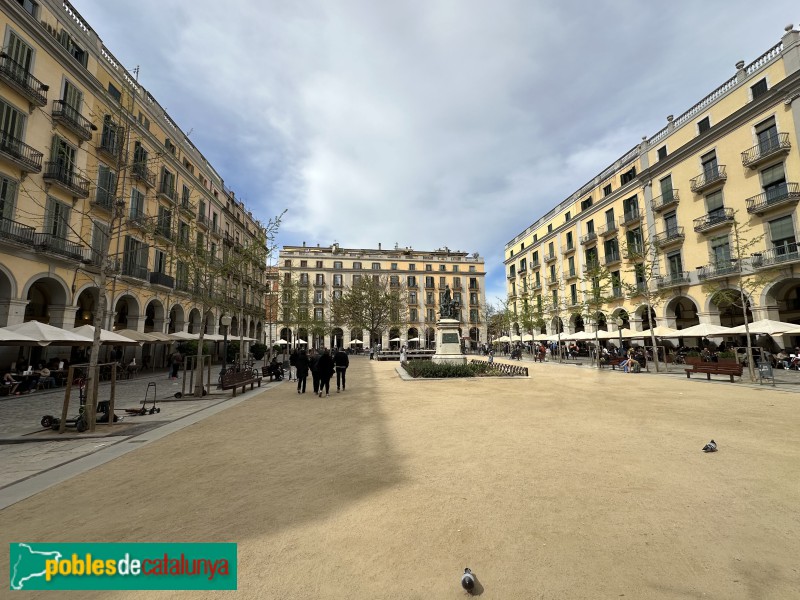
<point x="12" y="312"/>
<point x="63" y="316"/>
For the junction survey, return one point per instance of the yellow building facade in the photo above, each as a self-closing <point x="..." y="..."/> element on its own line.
<point x="324" y="273"/>
<point x="87" y="156"/>
<point x="727" y="167"/>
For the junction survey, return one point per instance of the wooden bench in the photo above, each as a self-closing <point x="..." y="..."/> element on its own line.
<point x="712" y="368"/>
<point x="612" y="362"/>
<point x="234" y="380"/>
<point x="265" y="372"/>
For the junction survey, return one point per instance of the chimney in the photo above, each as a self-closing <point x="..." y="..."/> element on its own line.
<point x="304" y="244"/>
<point x="379" y="245"/>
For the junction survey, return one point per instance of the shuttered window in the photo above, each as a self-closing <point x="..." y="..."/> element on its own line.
<point x="8" y="196"/>
<point x="56" y="218"/>
<point x="781" y="231"/>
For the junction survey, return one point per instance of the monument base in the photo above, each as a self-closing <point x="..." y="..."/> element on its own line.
<point x="448" y="344"/>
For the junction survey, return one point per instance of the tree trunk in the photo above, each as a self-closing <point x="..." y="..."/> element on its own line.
<point x="92" y="377"/>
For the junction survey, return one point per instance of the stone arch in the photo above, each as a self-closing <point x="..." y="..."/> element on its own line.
<point x="252" y="330"/>
<point x="176" y="318"/>
<point x="412" y="333"/>
<point x="154" y="316"/>
<point x="234" y="329"/>
<point x="576" y="323"/>
<point x="260" y="332"/>
<point x="731" y="316"/>
<point x="285" y="334"/>
<point x="647" y="318"/>
<point x="8" y="284"/>
<point x="430" y="337"/>
<point x="557" y="325"/>
<point x="126" y="311"/>
<point x="48" y="299"/>
<point x="86" y="303"/>
<point x="515" y="328"/>
<point x="681" y="312"/>
<point x="601" y="322"/>
<point x="782" y="299"/>
<point x="195" y="321"/>
<point x="621" y="313"/>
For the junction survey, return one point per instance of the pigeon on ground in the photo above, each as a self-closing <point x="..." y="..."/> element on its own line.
<point x="468" y="580"/>
<point x="710" y="446"/>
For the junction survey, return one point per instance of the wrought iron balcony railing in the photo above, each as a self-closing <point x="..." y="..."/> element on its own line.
<point x="47" y="242"/>
<point x="549" y="257"/>
<point x="669" y="237"/>
<point x="18" y="77"/>
<point x="66" y="178"/>
<point x="140" y="172"/>
<point x="708" y="179"/>
<point x="609" y="229"/>
<point x="612" y="258"/>
<point x="777" y="197"/>
<point x="17" y="232"/>
<point x="714" y="220"/>
<point x="779" y="255"/>
<point x="665" y="201"/>
<point x="589" y="238"/>
<point x="673" y="279"/>
<point x="73" y="120"/>
<point x="131" y="269"/>
<point x="724" y="268"/>
<point x="168" y="193"/>
<point x="631" y="217"/>
<point x="766" y="149"/>
<point x="157" y="278"/>
<point x="27" y="158"/>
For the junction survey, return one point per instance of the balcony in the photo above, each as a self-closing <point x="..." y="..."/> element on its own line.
<point x="164" y="231"/>
<point x="67" y="179"/>
<point x="777" y="256"/>
<point x="717" y="270"/>
<point x="616" y="293"/>
<point x="783" y="195"/>
<point x="551" y="281"/>
<point x="571" y="274"/>
<point x="522" y="269"/>
<point x="20" y="154"/>
<point x="665" y="201"/>
<point x="634" y="252"/>
<point x="321" y="283"/>
<point x="47" y="242"/>
<point x="215" y="230"/>
<point x="511" y="275"/>
<point x="673" y="280"/>
<point x="137" y="218"/>
<point x="708" y="179"/>
<point x="70" y="118"/>
<point x="182" y="285"/>
<point x="536" y="286"/>
<point x="714" y="220"/>
<point x="589" y="238"/>
<point x="591" y="266"/>
<point x="103" y="201"/>
<point x="140" y="172"/>
<point x="189" y="209"/>
<point x="16" y="232"/>
<point x="771" y="147"/>
<point x="162" y="279"/>
<point x="110" y="144"/>
<point x="549" y="257"/>
<point x="227" y="239"/>
<point x="612" y="258"/>
<point x="167" y="193"/>
<point x="607" y="230"/>
<point x="670" y="237"/>
<point x="630" y="218"/>
<point x="640" y="288"/>
<point x="18" y="78"/>
<point x="202" y="221"/>
<point x="535" y="264"/>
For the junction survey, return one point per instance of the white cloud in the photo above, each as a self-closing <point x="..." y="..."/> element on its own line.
<point x="430" y="123"/>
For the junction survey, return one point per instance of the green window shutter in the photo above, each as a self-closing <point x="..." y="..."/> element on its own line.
<point x="774" y="174"/>
<point x="8" y="195"/>
<point x="781" y="228"/>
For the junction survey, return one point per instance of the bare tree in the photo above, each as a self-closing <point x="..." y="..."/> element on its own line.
<point x="599" y="289"/>
<point x="372" y="304"/>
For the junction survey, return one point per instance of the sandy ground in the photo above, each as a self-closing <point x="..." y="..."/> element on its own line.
<point x="571" y="484"/>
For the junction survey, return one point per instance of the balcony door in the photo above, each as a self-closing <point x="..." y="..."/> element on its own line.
<point x="710" y="166"/>
<point x="781" y="232"/>
<point x="20" y="53"/>
<point x="671" y="224"/>
<point x="666" y="188"/>
<point x="63" y="156"/>
<point x="767" y="134"/>
<point x="12" y="124"/>
<point x="773" y="181"/>
<point x="720" y="252"/>
<point x="674" y="265"/>
<point x="8" y="196"/>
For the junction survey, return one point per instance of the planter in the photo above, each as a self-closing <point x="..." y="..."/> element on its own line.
<point x="693" y="360"/>
<point x="727" y="361"/>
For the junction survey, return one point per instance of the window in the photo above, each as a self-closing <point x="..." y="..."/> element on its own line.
<point x="535" y="258"/>
<point x="537" y="279"/>
<point x="616" y="284"/>
<point x="628" y="176"/>
<point x="56" y="218"/>
<point x="356" y="279"/>
<point x="413" y="314"/>
<point x="552" y="273"/>
<point x="443" y="267"/>
<point x="394" y="267"/>
<point x="106" y="185"/>
<point x="412" y="267"/>
<point x="356" y="265"/>
<point x="318" y="297"/>
<point x="428" y="282"/>
<point x="411" y="280"/>
<point x="767" y="134"/>
<point x="319" y="264"/>
<point x="703" y="125"/>
<point x="472" y="268"/>
<point x="77" y="52"/>
<point x="457" y="297"/>
<point x="30" y="6"/>
<point x="304" y="278"/>
<point x="428" y="297"/>
<point x="169" y="146"/>
<point x="287" y="263"/>
<point x="666" y="188"/>
<point x="674" y="264"/>
<point x="710" y="166"/>
<point x="573" y="294"/>
<point x="610" y="218"/>
<point x="571" y="266"/>
<point x="773" y="181"/>
<point x="662" y="153"/>
<point x="429" y="267"/>
<point x="549" y="227"/>
<point x="318" y="315"/>
<point x="337" y="280"/>
<point x="781" y="233"/>
<point x="159" y="262"/>
<point x="635" y="240"/>
<point x="473" y="315"/>
<point x="412" y="297"/>
<point x="431" y="315"/>
<point x="100" y="237"/>
<point x="607" y="190"/>
<point x="555" y="297"/>
<point x="473" y="283"/>
<point x="185" y="195"/>
<point x="114" y="92"/>
<point x="456" y="282"/>
<point x="455" y="268"/>
<point x="337" y="294"/>
<point x="63" y="157"/>
<point x="337" y="264"/>
<point x="473" y="298"/>
<point x="759" y="88"/>
<point x="394" y="281"/>
<point x="567" y="217"/>
<point x="8" y="197"/>
<point x="671" y="223"/>
<point x="551" y="249"/>
<point x="720" y="251"/>
<point x="523" y="266"/>
<point x="137" y="204"/>
<point x="167" y="182"/>
<point x="611" y="249"/>
<point x="442" y="282"/>
<point x="715" y="205"/>
<point x="590" y="226"/>
<point x="376" y="266"/>
<point x="591" y="258"/>
<point x="319" y="279"/>
<point x="586" y="204"/>
<point x="183" y="232"/>
<point x="631" y="208"/>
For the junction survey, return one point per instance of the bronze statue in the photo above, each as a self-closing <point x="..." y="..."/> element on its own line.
<point x="448" y="307"/>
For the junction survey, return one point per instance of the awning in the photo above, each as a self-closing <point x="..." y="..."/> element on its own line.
<point x="137" y="335"/>
<point x="42" y="332"/>
<point x="106" y="337"/>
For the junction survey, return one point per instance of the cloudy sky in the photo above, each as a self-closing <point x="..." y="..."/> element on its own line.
<point x="425" y="123"/>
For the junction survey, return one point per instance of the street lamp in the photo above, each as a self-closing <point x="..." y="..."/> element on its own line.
<point x="225" y="321"/>
<point x="620" y="323"/>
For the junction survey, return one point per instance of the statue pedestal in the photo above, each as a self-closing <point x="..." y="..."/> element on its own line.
<point x="448" y="344"/>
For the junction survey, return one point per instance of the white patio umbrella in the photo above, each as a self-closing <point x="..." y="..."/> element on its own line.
<point x="42" y="332"/>
<point x="138" y="335"/>
<point x="795" y="331"/>
<point x="106" y="337"/>
<point x="516" y="338"/>
<point x="541" y="337"/>
<point x="281" y="342"/>
<point x="160" y="337"/>
<point x="394" y="340"/>
<point x="185" y="335"/>
<point x="610" y="335"/>
<point x="213" y="337"/>
<point x="705" y="330"/>
<point x="503" y="339"/>
<point x="19" y="339"/>
<point x="767" y="326"/>
<point x="302" y="342"/>
<point x="356" y="342"/>
<point x="527" y="337"/>
<point x="659" y="330"/>
<point x="416" y="339"/>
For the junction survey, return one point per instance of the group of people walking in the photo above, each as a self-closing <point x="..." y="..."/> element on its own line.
<point x="322" y="366"/>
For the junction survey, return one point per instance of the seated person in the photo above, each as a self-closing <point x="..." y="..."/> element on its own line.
<point x="46" y="378"/>
<point x="275" y="369"/>
<point x="10" y="383"/>
<point x="781" y="360"/>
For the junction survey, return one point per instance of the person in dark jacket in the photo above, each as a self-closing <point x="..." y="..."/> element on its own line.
<point x="301" y="363"/>
<point x="341" y="361"/>
<point x="313" y="358"/>
<point x="325" y="371"/>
